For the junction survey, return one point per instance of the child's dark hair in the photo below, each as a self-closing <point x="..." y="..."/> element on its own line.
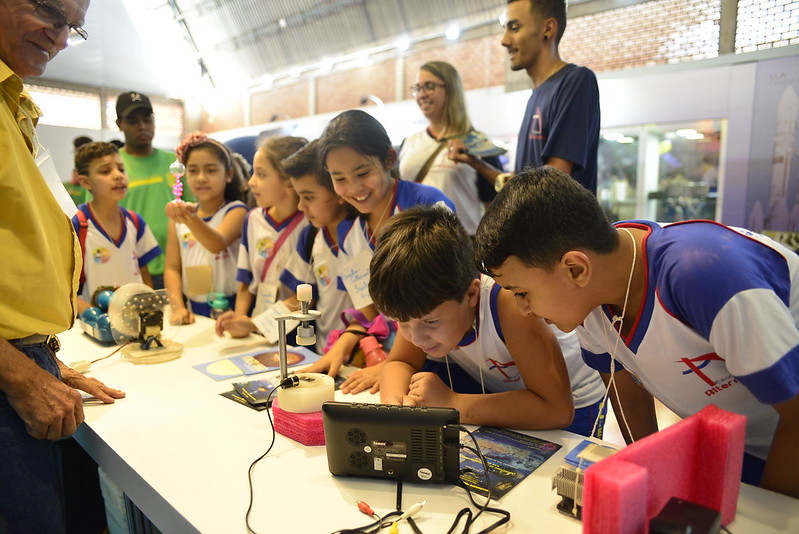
<point x="359" y="131"/>
<point x="80" y="141"/>
<point x="550" y="9"/>
<point x="541" y="214"/>
<point x="278" y="148"/>
<point x="306" y="161"/>
<point x="89" y="152"/>
<point x="423" y="258"/>
<point x="235" y="188"/>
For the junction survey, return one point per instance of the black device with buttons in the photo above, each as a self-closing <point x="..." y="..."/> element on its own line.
<point x="409" y="443"/>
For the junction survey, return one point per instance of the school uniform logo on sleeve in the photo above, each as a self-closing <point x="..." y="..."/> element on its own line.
<point x="265" y="247"/>
<point x="187" y="241"/>
<point x="101" y="255"/>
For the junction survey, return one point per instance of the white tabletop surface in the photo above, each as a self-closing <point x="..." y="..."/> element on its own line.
<point x="181" y="452"/>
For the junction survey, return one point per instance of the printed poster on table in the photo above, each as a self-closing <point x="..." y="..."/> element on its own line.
<point x="511" y="456"/>
<point x="256" y="362"/>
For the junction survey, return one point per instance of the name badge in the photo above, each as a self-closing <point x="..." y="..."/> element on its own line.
<point x="355" y="275"/>
<point x="267" y="295"/>
<point x="46" y="166"/>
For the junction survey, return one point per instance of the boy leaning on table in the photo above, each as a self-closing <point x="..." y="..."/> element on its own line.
<point x="494" y="365"/>
<point x="693" y="313"/>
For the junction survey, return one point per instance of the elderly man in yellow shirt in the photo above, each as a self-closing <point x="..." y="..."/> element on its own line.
<point x="39" y="270"/>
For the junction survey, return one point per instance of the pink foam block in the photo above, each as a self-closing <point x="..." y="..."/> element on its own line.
<point x="698" y="459"/>
<point x="306" y="428"/>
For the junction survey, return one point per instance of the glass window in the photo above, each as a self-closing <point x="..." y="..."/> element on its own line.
<point x="661" y="172"/>
<point x="617" y="173"/>
<point x="66" y="107"/>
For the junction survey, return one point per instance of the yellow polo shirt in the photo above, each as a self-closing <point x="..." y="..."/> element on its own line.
<point x="39" y="252"/>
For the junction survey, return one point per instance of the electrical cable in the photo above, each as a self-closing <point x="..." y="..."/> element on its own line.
<point x="471" y="518"/>
<point x="252" y="465"/>
<point x="125" y="344"/>
<point x="399" y="495"/>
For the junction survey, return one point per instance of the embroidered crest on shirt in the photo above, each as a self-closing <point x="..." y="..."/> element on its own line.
<point x="265" y="247"/>
<point x="101" y="255"/>
<point x="187" y="240"/>
<point x="695" y="366"/>
<point x="322" y="275"/>
<point x="502" y="367"/>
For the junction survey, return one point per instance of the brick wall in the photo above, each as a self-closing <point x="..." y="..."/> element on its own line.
<point x="766" y="24"/>
<point x="343" y="90"/>
<point x="228" y="114"/>
<point x="661" y="31"/>
<point x="283" y="102"/>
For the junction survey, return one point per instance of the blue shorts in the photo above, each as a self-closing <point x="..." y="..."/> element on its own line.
<point x="462" y="382"/>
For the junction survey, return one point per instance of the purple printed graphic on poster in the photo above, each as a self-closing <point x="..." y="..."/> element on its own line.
<point x="771" y="196"/>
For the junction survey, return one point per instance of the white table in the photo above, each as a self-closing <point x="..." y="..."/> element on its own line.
<point x="180" y="452"/>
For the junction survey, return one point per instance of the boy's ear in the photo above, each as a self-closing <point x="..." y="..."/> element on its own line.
<point x="473" y="293"/>
<point x="83" y="180"/>
<point x="577" y="266"/>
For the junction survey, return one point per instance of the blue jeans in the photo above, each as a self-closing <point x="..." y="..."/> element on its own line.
<point x="29" y="493"/>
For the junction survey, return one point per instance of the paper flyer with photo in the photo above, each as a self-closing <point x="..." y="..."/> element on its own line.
<point x="256" y="362"/>
<point x="511" y="456"/>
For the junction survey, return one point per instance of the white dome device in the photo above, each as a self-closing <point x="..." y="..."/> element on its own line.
<point x="135" y="319"/>
<point x="136" y="313"/>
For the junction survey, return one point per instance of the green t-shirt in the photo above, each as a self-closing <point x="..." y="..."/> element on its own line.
<point x="149" y="189"/>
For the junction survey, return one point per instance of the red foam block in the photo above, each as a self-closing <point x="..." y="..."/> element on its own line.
<point x="698" y="459"/>
<point x="306" y="428"/>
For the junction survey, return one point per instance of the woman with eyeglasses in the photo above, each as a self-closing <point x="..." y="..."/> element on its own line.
<point x="423" y="156"/>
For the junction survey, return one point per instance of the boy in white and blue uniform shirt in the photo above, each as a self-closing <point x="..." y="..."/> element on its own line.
<point x="483" y="358"/>
<point x="223" y="264"/>
<point x="732" y="339"/>
<point x="316" y="261"/>
<point x="693" y="313"/>
<point x="317" y="266"/>
<point x="116" y="243"/>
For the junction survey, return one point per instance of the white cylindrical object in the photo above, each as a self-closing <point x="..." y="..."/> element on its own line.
<point x="304" y="292"/>
<point x="308" y="396"/>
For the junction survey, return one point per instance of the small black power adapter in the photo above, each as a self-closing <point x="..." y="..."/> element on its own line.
<point x="683" y="517"/>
